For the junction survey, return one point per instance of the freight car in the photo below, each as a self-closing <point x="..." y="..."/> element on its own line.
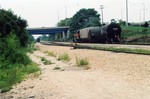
<point x="105" y="34"/>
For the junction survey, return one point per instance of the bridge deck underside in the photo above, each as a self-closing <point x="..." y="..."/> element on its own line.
<point x="47" y="31"/>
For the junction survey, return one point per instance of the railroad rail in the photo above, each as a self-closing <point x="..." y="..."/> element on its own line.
<point x="129" y="46"/>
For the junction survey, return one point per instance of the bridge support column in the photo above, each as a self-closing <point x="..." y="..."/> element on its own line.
<point x="65" y="35"/>
<point x="67" y="32"/>
<point x="61" y="36"/>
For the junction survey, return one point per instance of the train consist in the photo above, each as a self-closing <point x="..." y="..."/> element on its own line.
<point x="106" y="34"/>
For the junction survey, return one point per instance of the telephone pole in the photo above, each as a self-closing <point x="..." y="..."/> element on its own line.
<point x="102" y="7"/>
<point x="144" y="12"/>
<point x="58" y="15"/>
<point x="127" y="13"/>
<point x="66" y="15"/>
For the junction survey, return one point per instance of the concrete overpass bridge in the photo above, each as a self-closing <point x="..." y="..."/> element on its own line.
<point x="50" y="30"/>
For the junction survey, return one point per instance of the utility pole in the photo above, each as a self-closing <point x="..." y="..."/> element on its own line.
<point x="66" y="16"/>
<point x="127" y="13"/>
<point x="122" y="14"/>
<point x="140" y="17"/>
<point x="102" y="7"/>
<point x="58" y="15"/>
<point x="144" y="12"/>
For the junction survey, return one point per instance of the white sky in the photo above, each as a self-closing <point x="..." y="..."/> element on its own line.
<point x="46" y="13"/>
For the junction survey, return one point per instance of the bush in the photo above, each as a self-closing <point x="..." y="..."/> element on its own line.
<point x="9" y="21"/>
<point x="11" y="52"/>
<point x="14" y="62"/>
<point x="31" y="48"/>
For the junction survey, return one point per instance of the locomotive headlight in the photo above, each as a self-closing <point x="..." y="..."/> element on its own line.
<point x="115" y="29"/>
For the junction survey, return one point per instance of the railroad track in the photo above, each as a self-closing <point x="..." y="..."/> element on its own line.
<point x="88" y="45"/>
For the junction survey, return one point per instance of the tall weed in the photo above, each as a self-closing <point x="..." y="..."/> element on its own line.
<point x="64" y="57"/>
<point x="50" y="53"/>
<point x="82" y="63"/>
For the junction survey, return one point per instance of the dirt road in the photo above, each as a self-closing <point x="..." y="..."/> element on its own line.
<point x="112" y="76"/>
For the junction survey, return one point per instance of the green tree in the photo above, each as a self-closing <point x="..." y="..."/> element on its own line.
<point x="10" y="22"/>
<point x="31" y="38"/>
<point x="44" y="37"/>
<point x="64" y="22"/>
<point x="13" y="38"/>
<point x="113" y="21"/>
<point x="146" y="24"/>
<point x="121" y="22"/>
<point x="51" y="37"/>
<point x="84" y="18"/>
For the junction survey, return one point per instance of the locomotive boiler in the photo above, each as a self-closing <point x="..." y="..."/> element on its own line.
<point x="108" y="33"/>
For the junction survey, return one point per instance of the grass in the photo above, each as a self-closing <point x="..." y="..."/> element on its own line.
<point x="45" y="61"/>
<point x="138" y="51"/>
<point x="31" y="48"/>
<point x="64" y="57"/>
<point x="35" y="74"/>
<point x="50" y="53"/>
<point x="16" y="74"/>
<point x="133" y="32"/>
<point x="82" y="63"/>
<point x="57" y="68"/>
<point x="45" y="51"/>
<point x="63" y="70"/>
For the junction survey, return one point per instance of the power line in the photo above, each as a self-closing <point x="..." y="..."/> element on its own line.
<point x="102" y="7"/>
<point x="58" y="15"/>
<point x="144" y="12"/>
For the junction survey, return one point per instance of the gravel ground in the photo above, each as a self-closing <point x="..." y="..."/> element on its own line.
<point x="112" y="76"/>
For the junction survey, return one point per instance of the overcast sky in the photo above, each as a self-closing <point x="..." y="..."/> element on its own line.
<point x="46" y="13"/>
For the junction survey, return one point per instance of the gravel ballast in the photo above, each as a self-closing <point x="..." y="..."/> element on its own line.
<point x="112" y="76"/>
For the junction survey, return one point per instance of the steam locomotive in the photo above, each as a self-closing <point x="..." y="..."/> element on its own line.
<point x="106" y="34"/>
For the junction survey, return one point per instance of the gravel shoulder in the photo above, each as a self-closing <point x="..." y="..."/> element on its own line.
<point x="112" y="76"/>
